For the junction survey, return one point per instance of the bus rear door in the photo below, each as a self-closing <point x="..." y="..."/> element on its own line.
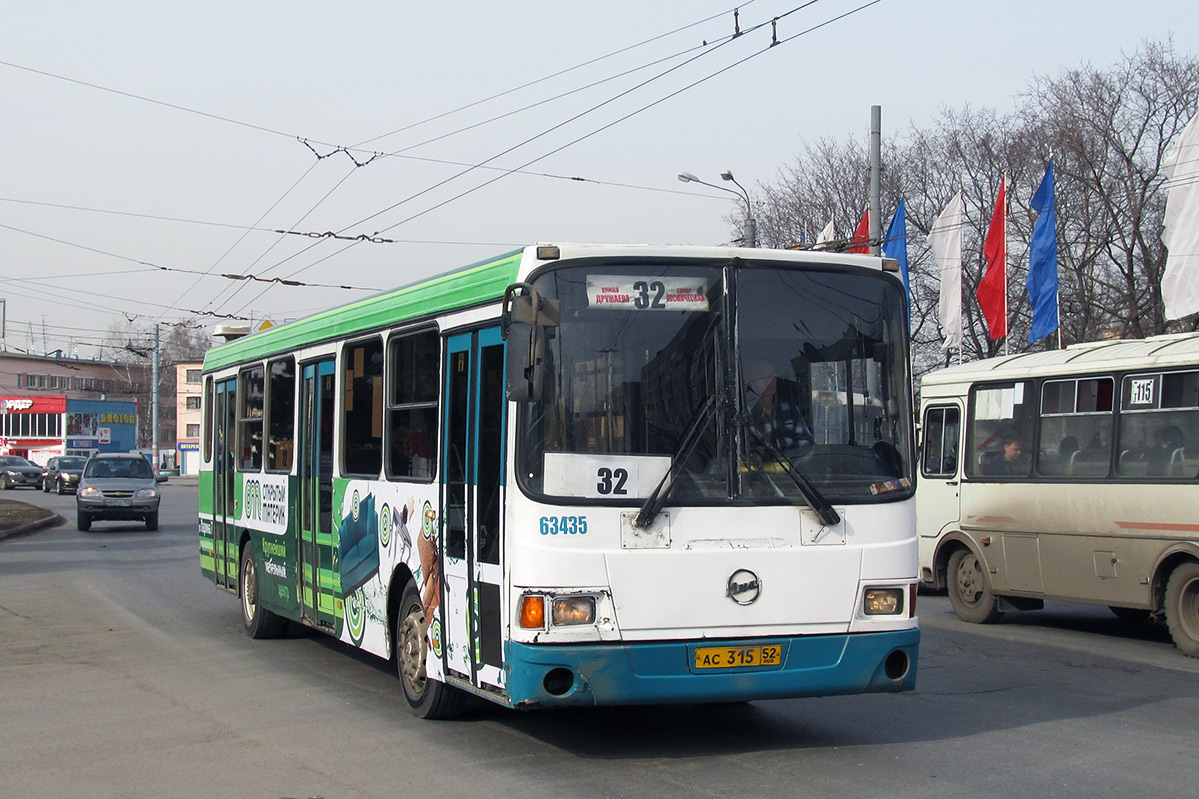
<point x="316" y="570"/>
<point x="224" y="512"/>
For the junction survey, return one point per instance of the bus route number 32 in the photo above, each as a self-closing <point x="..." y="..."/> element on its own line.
<point x="563" y="525"/>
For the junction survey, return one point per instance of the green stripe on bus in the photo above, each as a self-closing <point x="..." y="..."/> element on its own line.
<point x="484" y="282"/>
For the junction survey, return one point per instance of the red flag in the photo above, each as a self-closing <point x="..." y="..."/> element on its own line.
<point x="992" y="289"/>
<point x="861" y="237"/>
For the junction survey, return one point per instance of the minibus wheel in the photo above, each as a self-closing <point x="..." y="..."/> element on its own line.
<point x="969" y="591"/>
<point x="1182" y="608"/>
<point x="427" y="698"/>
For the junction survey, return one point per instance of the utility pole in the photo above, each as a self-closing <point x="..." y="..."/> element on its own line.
<point x="154" y="401"/>
<point x="876" y="182"/>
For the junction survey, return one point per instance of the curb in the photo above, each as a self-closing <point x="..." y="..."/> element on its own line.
<point x="52" y="520"/>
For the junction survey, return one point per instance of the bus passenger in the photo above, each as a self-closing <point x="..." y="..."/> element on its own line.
<point x="1013" y="461"/>
<point x="1166" y="442"/>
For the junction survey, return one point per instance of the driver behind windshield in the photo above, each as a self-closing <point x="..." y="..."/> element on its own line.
<point x="772" y="403"/>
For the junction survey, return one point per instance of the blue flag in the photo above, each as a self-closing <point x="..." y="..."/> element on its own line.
<point x="895" y="245"/>
<point x="1042" y="261"/>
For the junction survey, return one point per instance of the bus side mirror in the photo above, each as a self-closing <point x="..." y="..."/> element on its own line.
<point x="525" y="317"/>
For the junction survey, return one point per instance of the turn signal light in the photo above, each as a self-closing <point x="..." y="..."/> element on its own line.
<point x="532" y="612"/>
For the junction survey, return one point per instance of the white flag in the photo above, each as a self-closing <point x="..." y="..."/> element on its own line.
<point x="1180" y="281"/>
<point x="828" y="234"/>
<point x="945" y="240"/>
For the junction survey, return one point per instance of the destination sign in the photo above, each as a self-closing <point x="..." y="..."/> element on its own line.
<point x="624" y="293"/>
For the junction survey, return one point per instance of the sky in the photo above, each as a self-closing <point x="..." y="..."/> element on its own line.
<point x="149" y="150"/>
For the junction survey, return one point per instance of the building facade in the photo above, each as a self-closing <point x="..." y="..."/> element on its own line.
<point x="67" y="406"/>
<point x="40" y="427"/>
<point x="188" y="417"/>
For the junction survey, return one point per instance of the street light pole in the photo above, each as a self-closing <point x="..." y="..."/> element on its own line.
<point x="749" y="231"/>
<point x="751" y="225"/>
<point x="154" y="401"/>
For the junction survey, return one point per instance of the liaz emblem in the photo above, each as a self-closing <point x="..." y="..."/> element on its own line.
<point x="744" y="587"/>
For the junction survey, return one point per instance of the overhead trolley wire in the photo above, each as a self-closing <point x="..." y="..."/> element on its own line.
<point x="470" y="167"/>
<point x="774" y="42"/>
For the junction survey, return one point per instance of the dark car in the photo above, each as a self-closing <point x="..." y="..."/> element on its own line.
<point x="62" y="473"/>
<point x="16" y="472"/>
<point x="118" y="487"/>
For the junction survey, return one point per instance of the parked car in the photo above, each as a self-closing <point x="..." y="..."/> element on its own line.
<point x="62" y="473"/>
<point x="118" y="487"/>
<point x="16" y="472"/>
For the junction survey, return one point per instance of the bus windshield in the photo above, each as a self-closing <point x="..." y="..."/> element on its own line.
<point x="806" y="365"/>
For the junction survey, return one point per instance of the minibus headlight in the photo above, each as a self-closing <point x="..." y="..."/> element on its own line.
<point x="574" y="610"/>
<point x="883" y="601"/>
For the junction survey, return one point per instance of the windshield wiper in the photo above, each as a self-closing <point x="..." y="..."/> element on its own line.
<point x="654" y="502"/>
<point x="824" y="511"/>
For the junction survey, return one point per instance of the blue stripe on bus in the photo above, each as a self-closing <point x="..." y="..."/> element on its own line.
<point x="648" y="673"/>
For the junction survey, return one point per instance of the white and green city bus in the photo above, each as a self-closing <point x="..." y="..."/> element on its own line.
<point x="561" y="477"/>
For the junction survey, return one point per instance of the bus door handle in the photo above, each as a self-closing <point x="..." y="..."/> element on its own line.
<point x="951" y="483"/>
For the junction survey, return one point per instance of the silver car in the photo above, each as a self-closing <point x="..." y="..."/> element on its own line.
<point x="118" y="487"/>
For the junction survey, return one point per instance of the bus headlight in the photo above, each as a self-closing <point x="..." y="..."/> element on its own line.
<point x="574" y="610"/>
<point x="883" y="601"/>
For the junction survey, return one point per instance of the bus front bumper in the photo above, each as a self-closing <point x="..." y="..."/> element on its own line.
<point x="667" y="672"/>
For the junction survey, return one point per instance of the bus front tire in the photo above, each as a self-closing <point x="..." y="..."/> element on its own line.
<point x="259" y="622"/>
<point x="427" y="698"/>
<point x="1182" y="608"/>
<point x="969" y="593"/>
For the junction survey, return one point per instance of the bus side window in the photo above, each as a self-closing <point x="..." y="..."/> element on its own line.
<point x="939" y="456"/>
<point x="281" y="414"/>
<point x="998" y="430"/>
<point x="362" y="407"/>
<point x="1076" y="427"/>
<point x="412" y="411"/>
<point x="249" y="428"/>
<point x="1159" y="426"/>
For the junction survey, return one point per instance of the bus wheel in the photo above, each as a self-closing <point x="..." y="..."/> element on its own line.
<point x="1182" y="608"/>
<point x="972" y="600"/>
<point x="427" y="698"/>
<point x="259" y="622"/>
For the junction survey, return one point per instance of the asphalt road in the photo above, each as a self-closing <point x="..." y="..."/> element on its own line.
<point x="123" y="673"/>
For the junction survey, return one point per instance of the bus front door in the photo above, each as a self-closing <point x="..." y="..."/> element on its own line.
<point x="938" y="501"/>
<point x="224" y="511"/>
<point x="472" y="501"/>
<point x="315" y="568"/>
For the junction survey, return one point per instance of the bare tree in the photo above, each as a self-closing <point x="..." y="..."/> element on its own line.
<point x="1111" y="131"/>
<point x="1108" y="132"/>
<point x="133" y="346"/>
